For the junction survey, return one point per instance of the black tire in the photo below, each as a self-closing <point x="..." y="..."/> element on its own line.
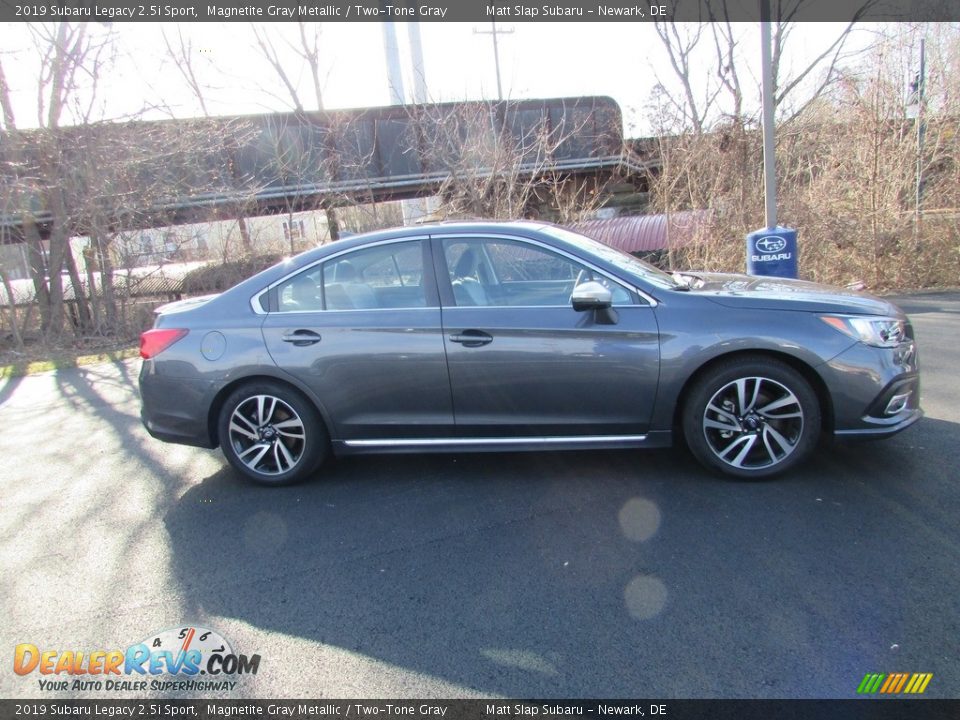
<point x="271" y="434"/>
<point x="751" y="418"/>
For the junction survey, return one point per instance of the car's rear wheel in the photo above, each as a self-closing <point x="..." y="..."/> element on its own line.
<point x="751" y="418"/>
<point x="270" y="434"/>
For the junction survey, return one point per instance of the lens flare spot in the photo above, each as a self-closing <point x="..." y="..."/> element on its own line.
<point x="639" y="519"/>
<point x="645" y="597"/>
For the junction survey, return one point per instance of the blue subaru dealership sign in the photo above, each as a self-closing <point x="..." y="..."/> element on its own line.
<point x="772" y="252"/>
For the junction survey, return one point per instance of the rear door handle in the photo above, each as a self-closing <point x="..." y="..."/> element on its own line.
<point x="472" y="338"/>
<point x="301" y="338"/>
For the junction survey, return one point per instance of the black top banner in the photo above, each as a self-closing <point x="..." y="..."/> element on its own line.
<point x="475" y="10"/>
<point x="327" y="709"/>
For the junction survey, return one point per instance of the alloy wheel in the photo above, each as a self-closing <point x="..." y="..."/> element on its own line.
<point x="753" y="423"/>
<point x="267" y="435"/>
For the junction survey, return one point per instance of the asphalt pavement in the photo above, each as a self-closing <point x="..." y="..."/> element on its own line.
<point x="587" y="574"/>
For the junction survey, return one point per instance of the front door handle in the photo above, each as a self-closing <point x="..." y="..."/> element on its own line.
<point x="472" y="338"/>
<point x="301" y="338"/>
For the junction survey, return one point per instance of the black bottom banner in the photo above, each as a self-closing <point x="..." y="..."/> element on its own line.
<point x="153" y="709"/>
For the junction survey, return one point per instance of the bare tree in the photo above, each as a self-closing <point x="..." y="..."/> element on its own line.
<point x="181" y="50"/>
<point x="690" y="61"/>
<point x="70" y="63"/>
<point x="680" y="42"/>
<point x="306" y="51"/>
<point x="826" y="64"/>
<point x="184" y="55"/>
<point x="9" y="120"/>
<point x="11" y="307"/>
<point x="725" y="44"/>
<point x="491" y="168"/>
<point x="846" y="172"/>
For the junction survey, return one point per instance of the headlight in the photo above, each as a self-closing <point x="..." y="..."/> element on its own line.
<point x="885" y="332"/>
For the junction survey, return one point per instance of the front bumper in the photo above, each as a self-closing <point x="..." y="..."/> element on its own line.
<point x="902" y="422"/>
<point x="876" y="391"/>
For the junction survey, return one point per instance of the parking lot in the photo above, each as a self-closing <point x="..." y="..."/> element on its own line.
<point x="587" y="574"/>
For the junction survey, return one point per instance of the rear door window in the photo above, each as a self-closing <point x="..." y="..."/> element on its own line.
<point x="386" y="276"/>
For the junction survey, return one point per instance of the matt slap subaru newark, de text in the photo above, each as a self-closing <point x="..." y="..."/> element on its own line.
<point x="520" y="336"/>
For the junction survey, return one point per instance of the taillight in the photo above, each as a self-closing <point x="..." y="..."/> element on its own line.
<point x="153" y="342"/>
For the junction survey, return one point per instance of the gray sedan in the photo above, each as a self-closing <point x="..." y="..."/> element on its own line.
<point x="520" y="336"/>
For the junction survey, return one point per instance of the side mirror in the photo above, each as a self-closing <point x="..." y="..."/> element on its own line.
<point x="591" y="295"/>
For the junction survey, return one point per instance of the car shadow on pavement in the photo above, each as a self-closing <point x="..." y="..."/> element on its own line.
<point x="104" y="392"/>
<point x="589" y="573"/>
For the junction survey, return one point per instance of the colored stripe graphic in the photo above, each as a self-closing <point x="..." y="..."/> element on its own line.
<point x="901" y="682"/>
<point x="894" y="683"/>
<point x="918" y="683"/>
<point x="871" y="683"/>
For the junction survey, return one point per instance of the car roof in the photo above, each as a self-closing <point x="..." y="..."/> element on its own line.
<point x="438" y="228"/>
<point x="313" y="255"/>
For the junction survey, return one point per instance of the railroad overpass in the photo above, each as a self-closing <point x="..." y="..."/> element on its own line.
<point x="111" y="177"/>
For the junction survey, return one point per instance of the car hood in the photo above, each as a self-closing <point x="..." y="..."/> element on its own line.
<point x="774" y="293"/>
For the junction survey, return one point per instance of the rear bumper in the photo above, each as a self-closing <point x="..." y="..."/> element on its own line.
<point x="168" y="433"/>
<point x="175" y="410"/>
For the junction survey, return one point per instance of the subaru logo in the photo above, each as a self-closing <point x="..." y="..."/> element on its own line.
<point x="770" y="244"/>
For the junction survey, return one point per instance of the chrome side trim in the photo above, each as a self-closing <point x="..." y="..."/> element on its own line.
<point x="325" y="313"/>
<point x="442" y="442"/>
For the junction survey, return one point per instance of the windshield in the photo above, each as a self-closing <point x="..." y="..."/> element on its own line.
<point x="618" y="258"/>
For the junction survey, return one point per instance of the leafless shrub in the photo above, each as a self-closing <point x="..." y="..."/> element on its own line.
<point x="846" y="173"/>
<point x="492" y="169"/>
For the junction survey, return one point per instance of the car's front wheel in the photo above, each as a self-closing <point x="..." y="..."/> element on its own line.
<point x="271" y="434"/>
<point x="751" y="418"/>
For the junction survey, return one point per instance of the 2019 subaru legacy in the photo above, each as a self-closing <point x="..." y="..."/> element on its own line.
<point x="520" y="336"/>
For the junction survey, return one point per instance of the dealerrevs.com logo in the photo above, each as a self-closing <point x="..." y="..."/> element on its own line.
<point x="197" y="658"/>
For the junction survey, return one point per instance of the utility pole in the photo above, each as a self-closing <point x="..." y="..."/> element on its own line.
<point x="416" y="60"/>
<point x="769" y="157"/>
<point x="415" y="208"/>
<point x="493" y="32"/>
<point x="772" y="250"/>
<point x="394" y="74"/>
<point x="921" y="128"/>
